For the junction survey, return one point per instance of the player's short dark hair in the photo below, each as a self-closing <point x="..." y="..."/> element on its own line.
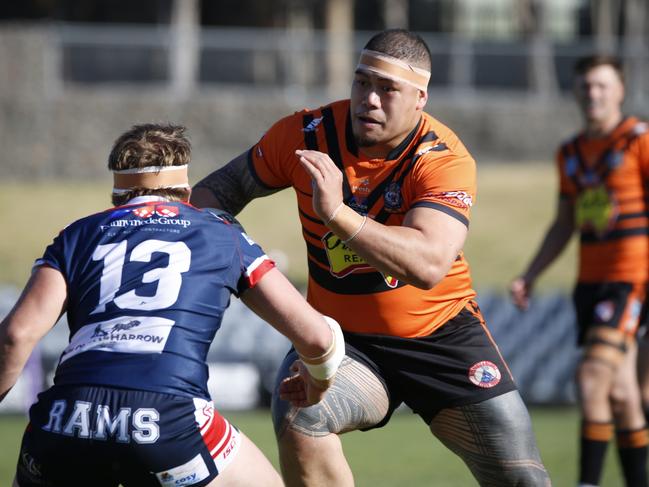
<point x="147" y="145"/>
<point x="402" y="44"/>
<point x="585" y="64"/>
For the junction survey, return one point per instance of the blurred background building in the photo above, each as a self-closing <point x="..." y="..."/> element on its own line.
<point x="75" y="73"/>
<point x="76" y="70"/>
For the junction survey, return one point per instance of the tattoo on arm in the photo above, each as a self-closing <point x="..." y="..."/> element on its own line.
<point x="234" y="186"/>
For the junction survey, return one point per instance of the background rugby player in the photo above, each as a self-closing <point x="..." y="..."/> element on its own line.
<point x="604" y="175"/>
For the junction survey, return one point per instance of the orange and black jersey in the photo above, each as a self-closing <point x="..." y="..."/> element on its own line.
<point x="430" y="168"/>
<point x="607" y="180"/>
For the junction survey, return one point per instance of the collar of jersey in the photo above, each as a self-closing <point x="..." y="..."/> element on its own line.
<point x="144" y="199"/>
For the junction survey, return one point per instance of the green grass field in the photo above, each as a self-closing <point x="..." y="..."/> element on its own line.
<point x="514" y="206"/>
<point x="403" y="453"/>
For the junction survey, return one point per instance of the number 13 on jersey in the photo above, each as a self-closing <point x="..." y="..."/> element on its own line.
<point x="169" y="277"/>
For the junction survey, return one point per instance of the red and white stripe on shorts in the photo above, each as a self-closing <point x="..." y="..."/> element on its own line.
<point x="221" y="438"/>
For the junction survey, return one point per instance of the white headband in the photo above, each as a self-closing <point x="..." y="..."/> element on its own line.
<point x="393" y="68"/>
<point x="150" y="177"/>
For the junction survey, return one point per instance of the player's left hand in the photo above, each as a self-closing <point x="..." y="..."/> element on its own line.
<point x="300" y="389"/>
<point x="327" y="181"/>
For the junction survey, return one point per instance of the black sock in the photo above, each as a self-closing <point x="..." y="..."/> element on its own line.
<point x="591" y="461"/>
<point x="595" y="437"/>
<point x="632" y="450"/>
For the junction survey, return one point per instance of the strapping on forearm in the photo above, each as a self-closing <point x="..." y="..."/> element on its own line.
<point x="324" y="367"/>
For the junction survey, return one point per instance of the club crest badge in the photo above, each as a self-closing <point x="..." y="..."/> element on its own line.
<point x="392" y="197"/>
<point x="604" y="311"/>
<point x="484" y="374"/>
<point x="614" y="159"/>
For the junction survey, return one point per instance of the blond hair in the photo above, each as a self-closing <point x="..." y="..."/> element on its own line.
<point x="148" y="145"/>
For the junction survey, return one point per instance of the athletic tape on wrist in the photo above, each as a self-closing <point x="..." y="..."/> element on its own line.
<point x="326" y="365"/>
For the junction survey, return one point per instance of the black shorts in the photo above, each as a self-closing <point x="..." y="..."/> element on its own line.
<point x="457" y="364"/>
<point x="616" y="305"/>
<point x="103" y="437"/>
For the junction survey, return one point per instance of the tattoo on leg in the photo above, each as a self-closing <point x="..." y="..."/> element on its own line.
<point x="495" y="440"/>
<point x="357" y="399"/>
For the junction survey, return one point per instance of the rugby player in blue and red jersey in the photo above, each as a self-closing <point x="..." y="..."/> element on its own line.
<point x="145" y="285"/>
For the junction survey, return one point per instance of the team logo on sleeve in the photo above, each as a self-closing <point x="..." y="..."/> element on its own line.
<point x="313" y="124"/>
<point x="484" y="374"/>
<point x="458" y="199"/>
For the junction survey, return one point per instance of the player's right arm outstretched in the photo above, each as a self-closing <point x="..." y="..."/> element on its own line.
<point x="317" y="339"/>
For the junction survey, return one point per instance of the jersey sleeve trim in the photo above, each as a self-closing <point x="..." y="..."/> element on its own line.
<point x="45" y="263"/>
<point x="255" y="271"/>
<point x="255" y="176"/>
<point x="444" y="209"/>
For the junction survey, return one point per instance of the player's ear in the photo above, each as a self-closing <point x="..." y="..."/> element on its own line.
<point x="422" y="99"/>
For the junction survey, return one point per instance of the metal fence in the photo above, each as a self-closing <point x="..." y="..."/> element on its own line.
<point x="294" y="58"/>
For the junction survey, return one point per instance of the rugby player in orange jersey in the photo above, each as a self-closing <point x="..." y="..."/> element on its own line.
<point x="604" y="172"/>
<point x="384" y="194"/>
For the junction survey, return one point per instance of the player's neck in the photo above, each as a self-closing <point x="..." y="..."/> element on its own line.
<point x="602" y="128"/>
<point x="374" y="152"/>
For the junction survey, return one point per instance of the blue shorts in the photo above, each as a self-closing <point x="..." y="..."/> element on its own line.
<point x="99" y="436"/>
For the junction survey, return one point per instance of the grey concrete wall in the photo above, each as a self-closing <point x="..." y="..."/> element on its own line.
<point x="48" y="130"/>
